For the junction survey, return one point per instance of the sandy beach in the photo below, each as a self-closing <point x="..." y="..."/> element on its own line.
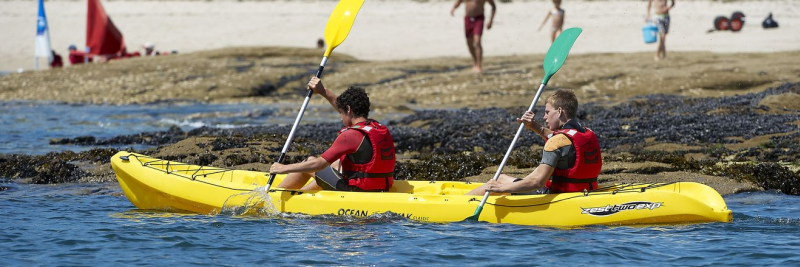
<point x="393" y="30"/>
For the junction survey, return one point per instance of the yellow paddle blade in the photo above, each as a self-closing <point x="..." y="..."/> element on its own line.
<point x="340" y="22"/>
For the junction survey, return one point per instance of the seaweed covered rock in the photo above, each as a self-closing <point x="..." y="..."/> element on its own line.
<point x="462" y="130"/>
<point x="54" y="167"/>
<point x="448" y="167"/>
<point x="172" y="135"/>
<point x="55" y="171"/>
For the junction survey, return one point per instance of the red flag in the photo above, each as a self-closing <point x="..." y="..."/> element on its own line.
<point x="102" y="37"/>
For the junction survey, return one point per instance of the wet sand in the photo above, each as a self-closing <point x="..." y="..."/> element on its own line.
<point x="278" y="74"/>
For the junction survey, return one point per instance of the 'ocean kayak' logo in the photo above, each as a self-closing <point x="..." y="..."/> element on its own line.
<point x="611" y="210"/>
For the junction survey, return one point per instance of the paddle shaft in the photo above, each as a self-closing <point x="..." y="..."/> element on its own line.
<point x="296" y="123"/>
<point x="510" y="149"/>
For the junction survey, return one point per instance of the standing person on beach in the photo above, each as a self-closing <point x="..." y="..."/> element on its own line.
<point x="362" y="158"/>
<point x="571" y="160"/>
<point x="473" y="26"/>
<point x="662" y="21"/>
<point x="558" y="20"/>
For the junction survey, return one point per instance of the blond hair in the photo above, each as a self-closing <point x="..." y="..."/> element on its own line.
<point x="566" y="100"/>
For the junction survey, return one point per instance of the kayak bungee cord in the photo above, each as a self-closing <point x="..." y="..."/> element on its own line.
<point x="620" y="188"/>
<point x="594" y="193"/>
<point x="192" y="178"/>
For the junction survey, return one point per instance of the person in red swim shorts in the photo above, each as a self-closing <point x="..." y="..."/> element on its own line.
<point x="473" y="27"/>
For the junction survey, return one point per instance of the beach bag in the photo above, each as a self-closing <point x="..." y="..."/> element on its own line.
<point x="650" y="33"/>
<point x="769" y="22"/>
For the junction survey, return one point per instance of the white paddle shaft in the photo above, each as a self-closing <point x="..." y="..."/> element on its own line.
<point x="513" y="143"/>
<point x="296" y="123"/>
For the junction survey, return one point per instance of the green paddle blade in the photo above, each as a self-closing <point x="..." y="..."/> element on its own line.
<point x="340" y="22"/>
<point x="558" y="52"/>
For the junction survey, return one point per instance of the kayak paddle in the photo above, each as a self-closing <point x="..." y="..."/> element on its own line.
<point x="339" y="24"/>
<point x="555" y="57"/>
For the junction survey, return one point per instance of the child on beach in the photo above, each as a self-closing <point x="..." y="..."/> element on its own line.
<point x="662" y="21"/>
<point x="558" y="20"/>
<point x="473" y="26"/>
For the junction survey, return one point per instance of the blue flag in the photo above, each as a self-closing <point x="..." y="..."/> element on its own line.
<point x="43" y="35"/>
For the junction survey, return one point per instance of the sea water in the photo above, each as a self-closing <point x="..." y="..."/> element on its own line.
<point x="94" y="224"/>
<point x="28" y="127"/>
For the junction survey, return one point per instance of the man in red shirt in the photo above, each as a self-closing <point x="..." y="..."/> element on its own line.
<point x="76" y="57"/>
<point x="362" y="158"/>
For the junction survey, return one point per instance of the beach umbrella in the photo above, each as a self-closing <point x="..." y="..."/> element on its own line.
<point x="102" y="37"/>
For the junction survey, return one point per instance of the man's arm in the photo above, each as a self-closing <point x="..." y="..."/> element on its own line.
<point x="550" y="157"/>
<point x="491" y="18"/>
<point x="527" y="119"/>
<point x="313" y="164"/>
<point x="346" y="143"/>
<point x="649" y="5"/>
<point x="453" y="11"/>
<point x="316" y="85"/>
<point x="537" y="179"/>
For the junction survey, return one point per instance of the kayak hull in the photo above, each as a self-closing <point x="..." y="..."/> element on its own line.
<point x="155" y="184"/>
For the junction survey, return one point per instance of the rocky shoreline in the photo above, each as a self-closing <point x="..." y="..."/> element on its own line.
<point x="653" y="138"/>
<point x="730" y="121"/>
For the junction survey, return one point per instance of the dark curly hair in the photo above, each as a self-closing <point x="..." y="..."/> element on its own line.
<point x="357" y="99"/>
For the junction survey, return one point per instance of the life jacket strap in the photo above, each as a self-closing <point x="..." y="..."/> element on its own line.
<point x="352" y="174"/>
<point x="561" y="179"/>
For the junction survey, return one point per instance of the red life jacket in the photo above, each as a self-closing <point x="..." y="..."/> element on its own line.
<point x="378" y="173"/>
<point x="588" y="163"/>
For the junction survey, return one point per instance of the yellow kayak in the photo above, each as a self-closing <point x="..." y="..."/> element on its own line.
<point x="156" y="184"/>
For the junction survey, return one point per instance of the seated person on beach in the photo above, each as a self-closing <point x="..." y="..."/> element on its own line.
<point x="558" y="20"/>
<point x="571" y="159"/>
<point x="149" y="49"/>
<point x="57" y="61"/>
<point x="75" y="56"/>
<point x="362" y="158"/>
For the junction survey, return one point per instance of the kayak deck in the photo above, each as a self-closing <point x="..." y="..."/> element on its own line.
<point x="151" y="183"/>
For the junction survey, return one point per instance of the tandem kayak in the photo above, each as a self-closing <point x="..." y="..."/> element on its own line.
<point x="157" y="184"/>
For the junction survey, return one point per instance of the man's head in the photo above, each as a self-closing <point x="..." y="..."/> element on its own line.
<point x="72" y="47"/>
<point x="354" y="102"/>
<point x="560" y="108"/>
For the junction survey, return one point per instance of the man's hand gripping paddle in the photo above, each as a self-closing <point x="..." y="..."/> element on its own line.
<point x="555" y="57"/>
<point x="339" y="24"/>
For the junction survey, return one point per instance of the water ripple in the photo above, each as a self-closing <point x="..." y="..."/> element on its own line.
<point x="46" y="225"/>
